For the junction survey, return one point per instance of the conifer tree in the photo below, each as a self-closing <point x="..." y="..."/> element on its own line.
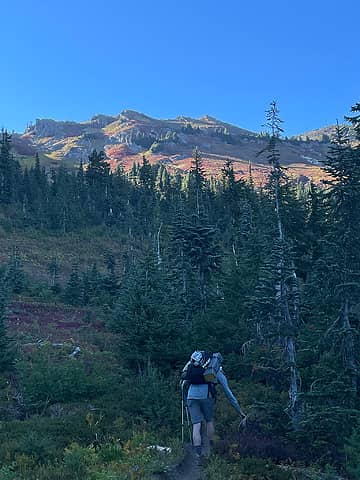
<point x="97" y="169"/>
<point x="92" y="286"/>
<point x="98" y="178"/>
<point x="146" y="174"/>
<point x="37" y="192"/>
<point x="14" y="274"/>
<point x="81" y="190"/>
<point x="8" y="169"/>
<point x="110" y="281"/>
<point x="199" y="253"/>
<point x="7" y="350"/>
<point x="228" y="177"/>
<point x="313" y="230"/>
<point x="73" y="292"/>
<point x="355" y="119"/>
<point x="277" y="297"/>
<point x="343" y="256"/>
<point x="147" y="317"/>
<point x="197" y="180"/>
<point x="54" y="268"/>
<point x="332" y="299"/>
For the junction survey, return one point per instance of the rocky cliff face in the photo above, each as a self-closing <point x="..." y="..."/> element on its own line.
<point x="53" y="128"/>
<point x="325" y="134"/>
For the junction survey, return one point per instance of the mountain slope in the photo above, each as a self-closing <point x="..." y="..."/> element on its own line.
<point x="127" y="137"/>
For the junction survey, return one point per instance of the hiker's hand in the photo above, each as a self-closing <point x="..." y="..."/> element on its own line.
<point x="243" y="421"/>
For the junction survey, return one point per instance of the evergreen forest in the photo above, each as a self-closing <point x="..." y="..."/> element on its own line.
<point x="147" y="266"/>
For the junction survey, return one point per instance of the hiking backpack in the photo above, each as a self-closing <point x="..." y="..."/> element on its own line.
<point x="206" y="372"/>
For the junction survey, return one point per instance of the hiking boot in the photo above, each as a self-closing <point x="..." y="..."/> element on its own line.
<point x="196" y="454"/>
<point x="197" y="461"/>
<point x="197" y="451"/>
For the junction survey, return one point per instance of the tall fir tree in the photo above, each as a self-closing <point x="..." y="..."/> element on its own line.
<point x="343" y="257"/>
<point x="197" y="181"/>
<point x="9" y="170"/>
<point x="276" y="304"/>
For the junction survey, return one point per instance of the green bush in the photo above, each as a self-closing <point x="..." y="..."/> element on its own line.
<point x="262" y="469"/>
<point x="46" y="380"/>
<point x="153" y="399"/>
<point x="77" y="460"/>
<point x="7" y="473"/>
<point x="43" y="437"/>
<point x="34" y="444"/>
<point x="352" y="451"/>
<point x="247" y="468"/>
<point x="133" y="459"/>
<point x="217" y="468"/>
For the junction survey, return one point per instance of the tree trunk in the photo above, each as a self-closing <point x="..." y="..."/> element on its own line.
<point x="348" y="345"/>
<point x="202" y="288"/>
<point x="291" y="318"/>
<point x="234" y="253"/>
<point x="158" y="246"/>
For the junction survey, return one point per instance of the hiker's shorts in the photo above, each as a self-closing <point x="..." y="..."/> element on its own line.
<point x="202" y="409"/>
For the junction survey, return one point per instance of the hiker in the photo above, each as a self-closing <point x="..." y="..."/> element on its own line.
<point x="199" y="388"/>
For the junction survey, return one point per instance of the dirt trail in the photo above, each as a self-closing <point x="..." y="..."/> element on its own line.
<point x="188" y="469"/>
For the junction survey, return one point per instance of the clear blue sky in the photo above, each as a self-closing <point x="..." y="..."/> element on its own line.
<point x="70" y="60"/>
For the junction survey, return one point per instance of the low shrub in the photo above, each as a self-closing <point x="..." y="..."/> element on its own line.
<point x="352" y="451"/>
<point x="247" y="468"/>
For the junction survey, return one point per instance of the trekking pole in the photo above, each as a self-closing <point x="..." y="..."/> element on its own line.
<point x="188" y="424"/>
<point x="182" y="411"/>
<point x="182" y="418"/>
<point x="184" y="406"/>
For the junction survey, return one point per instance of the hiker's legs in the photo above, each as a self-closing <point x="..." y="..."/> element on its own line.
<point x="210" y="430"/>
<point x="197" y="434"/>
<point x="208" y="409"/>
<point x="200" y="410"/>
<point x="197" y="417"/>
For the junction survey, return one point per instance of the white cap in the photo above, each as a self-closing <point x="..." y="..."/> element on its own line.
<point x="197" y="357"/>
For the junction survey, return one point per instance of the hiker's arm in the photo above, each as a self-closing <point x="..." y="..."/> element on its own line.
<point x="230" y="396"/>
<point x="184" y="382"/>
<point x="185" y="372"/>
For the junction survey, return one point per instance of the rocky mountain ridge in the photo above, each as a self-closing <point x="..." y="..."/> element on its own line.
<point x="125" y="138"/>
